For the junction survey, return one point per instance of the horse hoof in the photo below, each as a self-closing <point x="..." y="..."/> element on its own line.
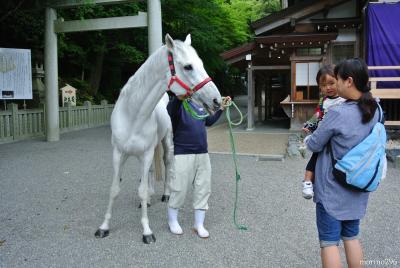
<point x="148" y="205"/>
<point x="148" y="239"/>
<point x="165" y="198"/>
<point x="101" y="233"/>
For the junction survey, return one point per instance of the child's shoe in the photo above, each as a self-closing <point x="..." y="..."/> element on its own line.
<point x="307" y="189"/>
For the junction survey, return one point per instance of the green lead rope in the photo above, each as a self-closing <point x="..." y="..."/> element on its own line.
<point x="235" y="161"/>
<point x="195" y="115"/>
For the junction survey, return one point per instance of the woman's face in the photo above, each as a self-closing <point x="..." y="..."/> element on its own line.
<point x="328" y="85"/>
<point x="342" y="87"/>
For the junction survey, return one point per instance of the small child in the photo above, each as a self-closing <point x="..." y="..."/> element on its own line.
<point x="328" y="85"/>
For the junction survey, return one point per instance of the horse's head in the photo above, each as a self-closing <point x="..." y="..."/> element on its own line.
<point x="191" y="79"/>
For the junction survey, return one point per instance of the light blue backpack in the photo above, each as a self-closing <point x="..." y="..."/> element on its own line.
<point x="363" y="167"/>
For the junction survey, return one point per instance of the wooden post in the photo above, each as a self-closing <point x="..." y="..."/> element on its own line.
<point x="42" y="118"/>
<point x="88" y="104"/>
<point x="154" y="25"/>
<point x="69" y="115"/>
<point x="51" y="80"/>
<point x="259" y="89"/>
<point x="250" y="99"/>
<point x="14" y="119"/>
<point x="104" y="105"/>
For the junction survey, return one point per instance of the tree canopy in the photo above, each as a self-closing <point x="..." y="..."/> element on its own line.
<point x="100" y="62"/>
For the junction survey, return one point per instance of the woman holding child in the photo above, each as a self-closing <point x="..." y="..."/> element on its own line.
<point x="339" y="209"/>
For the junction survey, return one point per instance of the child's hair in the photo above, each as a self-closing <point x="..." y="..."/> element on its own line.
<point x="358" y="70"/>
<point x="325" y="70"/>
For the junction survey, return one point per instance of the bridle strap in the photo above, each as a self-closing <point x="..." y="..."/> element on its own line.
<point x="180" y="82"/>
<point x="174" y="78"/>
<point x="171" y="64"/>
<point x="201" y="84"/>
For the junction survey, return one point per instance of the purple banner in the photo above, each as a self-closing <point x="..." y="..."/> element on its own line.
<point x="383" y="40"/>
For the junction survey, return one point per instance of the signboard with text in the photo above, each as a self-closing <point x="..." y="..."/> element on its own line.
<point x="68" y="95"/>
<point x="15" y="74"/>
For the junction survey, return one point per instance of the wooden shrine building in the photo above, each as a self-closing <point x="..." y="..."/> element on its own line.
<point x="287" y="51"/>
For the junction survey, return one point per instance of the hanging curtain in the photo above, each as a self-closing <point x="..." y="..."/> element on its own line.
<point x="383" y="40"/>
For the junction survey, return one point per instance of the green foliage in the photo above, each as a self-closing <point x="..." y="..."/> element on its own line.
<point x="83" y="90"/>
<point x="131" y="53"/>
<point x="215" y="25"/>
<point x="21" y="26"/>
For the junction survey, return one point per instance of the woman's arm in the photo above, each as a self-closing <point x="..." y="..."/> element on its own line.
<point x="326" y="129"/>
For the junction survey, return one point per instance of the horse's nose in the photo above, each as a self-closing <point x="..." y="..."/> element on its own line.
<point x="217" y="105"/>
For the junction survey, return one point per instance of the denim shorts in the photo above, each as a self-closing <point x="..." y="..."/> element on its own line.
<point x="331" y="230"/>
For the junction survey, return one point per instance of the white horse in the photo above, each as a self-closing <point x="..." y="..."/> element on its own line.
<point x="140" y="120"/>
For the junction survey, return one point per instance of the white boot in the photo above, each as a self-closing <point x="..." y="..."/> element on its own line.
<point x="173" y="223"/>
<point x="199" y="216"/>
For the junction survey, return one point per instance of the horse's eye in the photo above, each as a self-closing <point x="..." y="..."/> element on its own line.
<point x="188" y="67"/>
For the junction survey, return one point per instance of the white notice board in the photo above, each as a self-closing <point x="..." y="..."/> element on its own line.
<point x="15" y="74"/>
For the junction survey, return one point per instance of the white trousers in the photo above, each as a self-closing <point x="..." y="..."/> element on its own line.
<point x="191" y="170"/>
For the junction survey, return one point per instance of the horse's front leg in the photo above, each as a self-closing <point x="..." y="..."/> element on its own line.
<point x="169" y="161"/>
<point x="147" y="159"/>
<point x="119" y="159"/>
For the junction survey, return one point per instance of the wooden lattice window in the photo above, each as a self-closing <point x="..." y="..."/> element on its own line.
<point x="306" y="87"/>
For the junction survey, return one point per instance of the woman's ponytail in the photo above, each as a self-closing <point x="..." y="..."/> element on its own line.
<point x="367" y="105"/>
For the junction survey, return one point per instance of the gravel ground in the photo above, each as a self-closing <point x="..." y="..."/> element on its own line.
<point x="247" y="143"/>
<point x="53" y="197"/>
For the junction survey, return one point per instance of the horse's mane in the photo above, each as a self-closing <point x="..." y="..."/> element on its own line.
<point x="138" y="82"/>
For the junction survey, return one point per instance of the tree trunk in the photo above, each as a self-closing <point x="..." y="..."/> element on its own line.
<point x="95" y="73"/>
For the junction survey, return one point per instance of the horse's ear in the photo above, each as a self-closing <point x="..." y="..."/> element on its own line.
<point x="169" y="41"/>
<point x="188" y="40"/>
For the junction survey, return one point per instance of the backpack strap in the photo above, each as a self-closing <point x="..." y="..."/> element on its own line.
<point x="330" y="151"/>
<point x="381" y="115"/>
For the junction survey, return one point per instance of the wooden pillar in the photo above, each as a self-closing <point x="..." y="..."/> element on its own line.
<point x="51" y="77"/>
<point x="154" y="25"/>
<point x="250" y="98"/>
<point x="14" y="120"/>
<point x="259" y="89"/>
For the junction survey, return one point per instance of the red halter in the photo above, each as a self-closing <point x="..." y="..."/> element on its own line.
<point x="174" y="78"/>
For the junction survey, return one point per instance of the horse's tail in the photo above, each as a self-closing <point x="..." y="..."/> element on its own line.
<point x="158" y="162"/>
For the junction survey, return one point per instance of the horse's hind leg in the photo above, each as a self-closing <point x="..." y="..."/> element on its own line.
<point x="151" y="185"/>
<point x="169" y="161"/>
<point x="119" y="159"/>
<point x="146" y="161"/>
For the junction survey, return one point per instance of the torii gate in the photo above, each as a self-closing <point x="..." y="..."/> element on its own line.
<point x="151" y="19"/>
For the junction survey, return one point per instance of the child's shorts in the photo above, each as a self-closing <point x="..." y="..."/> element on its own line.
<point x="331" y="230"/>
